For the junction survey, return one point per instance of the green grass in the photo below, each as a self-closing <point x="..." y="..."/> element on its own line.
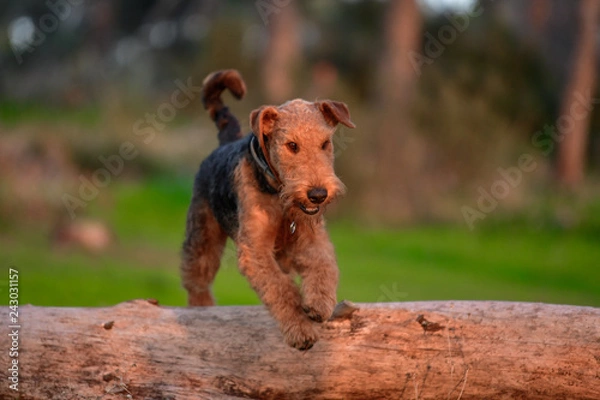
<point x="445" y="263"/>
<point x="423" y="263"/>
<point x="13" y="113"/>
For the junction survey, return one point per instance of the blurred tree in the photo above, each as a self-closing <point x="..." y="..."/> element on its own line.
<point x="393" y="193"/>
<point x="538" y="15"/>
<point x="574" y="121"/>
<point x="283" y="52"/>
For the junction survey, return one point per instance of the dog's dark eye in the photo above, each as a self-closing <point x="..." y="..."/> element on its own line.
<point x="326" y="145"/>
<point x="293" y="147"/>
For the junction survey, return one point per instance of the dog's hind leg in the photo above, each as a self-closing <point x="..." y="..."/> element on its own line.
<point x="201" y="253"/>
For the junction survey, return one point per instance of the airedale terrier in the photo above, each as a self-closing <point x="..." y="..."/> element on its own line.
<point x="267" y="191"/>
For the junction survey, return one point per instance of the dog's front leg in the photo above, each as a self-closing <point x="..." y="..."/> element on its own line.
<point x="275" y="288"/>
<point x="314" y="259"/>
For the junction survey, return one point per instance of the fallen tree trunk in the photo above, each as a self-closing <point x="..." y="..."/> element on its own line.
<point x="456" y="350"/>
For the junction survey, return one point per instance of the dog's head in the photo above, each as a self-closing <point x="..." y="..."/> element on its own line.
<point x="296" y="139"/>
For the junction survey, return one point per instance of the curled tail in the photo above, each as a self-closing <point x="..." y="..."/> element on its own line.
<point x="212" y="87"/>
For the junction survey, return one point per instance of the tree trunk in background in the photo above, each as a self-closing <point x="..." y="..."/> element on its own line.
<point x="538" y="15"/>
<point x="574" y="121"/>
<point x="283" y="53"/>
<point x="394" y="189"/>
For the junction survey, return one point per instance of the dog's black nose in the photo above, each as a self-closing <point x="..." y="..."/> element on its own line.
<point x="317" y="195"/>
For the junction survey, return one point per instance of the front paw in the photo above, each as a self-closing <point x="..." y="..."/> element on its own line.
<point x="319" y="310"/>
<point x="300" y="334"/>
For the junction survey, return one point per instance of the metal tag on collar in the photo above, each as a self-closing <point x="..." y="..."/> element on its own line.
<point x="292" y="227"/>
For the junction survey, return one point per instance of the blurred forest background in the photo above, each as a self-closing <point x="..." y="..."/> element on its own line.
<point x="473" y="172"/>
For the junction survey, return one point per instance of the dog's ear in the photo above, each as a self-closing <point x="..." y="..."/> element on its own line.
<point x="335" y="112"/>
<point x="262" y="121"/>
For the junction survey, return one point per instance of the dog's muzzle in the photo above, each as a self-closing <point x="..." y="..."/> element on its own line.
<point x="316" y="195"/>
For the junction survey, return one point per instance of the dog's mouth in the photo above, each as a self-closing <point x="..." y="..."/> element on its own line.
<point x="309" y="210"/>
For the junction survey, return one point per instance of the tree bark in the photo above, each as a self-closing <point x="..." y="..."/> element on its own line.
<point x="574" y="121"/>
<point x="458" y="350"/>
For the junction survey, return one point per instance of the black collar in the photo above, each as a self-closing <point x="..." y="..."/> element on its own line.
<point x="261" y="163"/>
